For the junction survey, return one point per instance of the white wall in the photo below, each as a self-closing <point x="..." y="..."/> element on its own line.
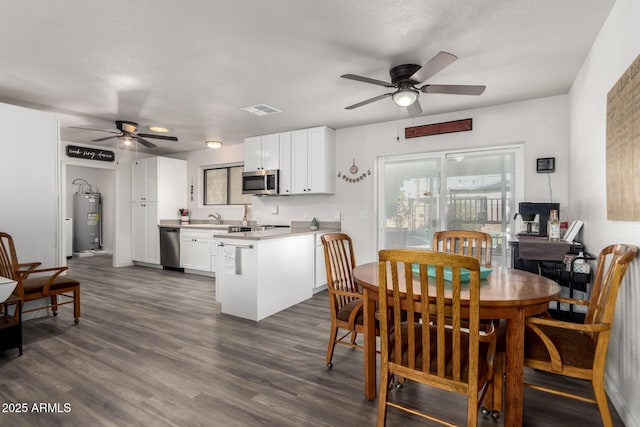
<point x="30" y="183"/>
<point x="541" y="124"/>
<point x="616" y="47"/>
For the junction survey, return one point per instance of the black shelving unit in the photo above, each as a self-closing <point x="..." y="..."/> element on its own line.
<point x="557" y="270"/>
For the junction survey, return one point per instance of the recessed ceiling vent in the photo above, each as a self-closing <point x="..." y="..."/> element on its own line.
<point x="262" y="110"/>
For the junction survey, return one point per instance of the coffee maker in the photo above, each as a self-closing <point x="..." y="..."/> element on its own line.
<point x="534" y="218"/>
<point x="529" y="224"/>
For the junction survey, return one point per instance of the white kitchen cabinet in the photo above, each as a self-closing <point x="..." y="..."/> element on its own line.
<point x="145" y="236"/>
<point x="195" y="249"/>
<point x="257" y="278"/>
<point x="159" y="189"/>
<point x="313" y="161"/>
<point x="285" y="163"/>
<point x="262" y="152"/>
<point x="145" y="180"/>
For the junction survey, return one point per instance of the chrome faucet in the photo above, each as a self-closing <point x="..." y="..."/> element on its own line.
<point x="217" y="216"/>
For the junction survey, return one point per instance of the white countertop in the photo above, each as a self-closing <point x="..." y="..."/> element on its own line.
<point x="274" y="233"/>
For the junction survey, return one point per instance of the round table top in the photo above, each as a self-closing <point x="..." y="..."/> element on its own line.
<point x="504" y="287"/>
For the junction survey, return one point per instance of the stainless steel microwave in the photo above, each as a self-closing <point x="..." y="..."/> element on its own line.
<point x="260" y="183"/>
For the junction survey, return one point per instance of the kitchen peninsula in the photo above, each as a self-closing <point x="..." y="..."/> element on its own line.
<point x="260" y="273"/>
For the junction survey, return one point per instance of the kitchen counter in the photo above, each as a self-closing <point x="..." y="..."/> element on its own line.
<point x="298" y="228"/>
<point x="274" y="233"/>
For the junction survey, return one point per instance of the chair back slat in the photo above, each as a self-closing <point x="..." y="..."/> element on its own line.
<point x="339" y="260"/>
<point x="436" y="310"/>
<point x="476" y="244"/>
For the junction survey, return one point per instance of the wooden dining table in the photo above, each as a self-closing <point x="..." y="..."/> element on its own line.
<point x="505" y="294"/>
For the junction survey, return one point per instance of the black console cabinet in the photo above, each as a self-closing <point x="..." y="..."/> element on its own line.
<point x="541" y="256"/>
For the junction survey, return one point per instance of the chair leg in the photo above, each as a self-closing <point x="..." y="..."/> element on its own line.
<point x="54" y="304"/>
<point x="601" y="398"/>
<point x="76" y="304"/>
<point x="472" y="410"/>
<point x="354" y="336"/>
<point x="332" y="344"/>
<point x="498" y="384"/>
<point x="383" y="391"/>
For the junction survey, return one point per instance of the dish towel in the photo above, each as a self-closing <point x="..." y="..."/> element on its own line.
<point x="232" y="260"/>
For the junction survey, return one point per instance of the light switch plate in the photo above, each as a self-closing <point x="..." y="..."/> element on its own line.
<point x="337" y="216"/>
<point x="306" y="215"/>
<point x="274" y="209"/>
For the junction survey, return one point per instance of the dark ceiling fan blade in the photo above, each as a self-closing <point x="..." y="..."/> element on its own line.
<point x="414" y="109"/>
<point x="454" y="89"/>
<point x="105" y="138"/>
<point x="366" y="80"/>
<point x="165" y="137"/>
<point x="145" y="142"/>
<point x="99" y="130"/>
<point x="434" y="66"/>
<point x="368" y="101"/>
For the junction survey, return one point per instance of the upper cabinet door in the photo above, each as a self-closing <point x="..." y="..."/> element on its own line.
<point x="299" y="165"/>
<point x="253" y="153"/>
<point x="271" y="151"/>
<point x="285" y="163"/>
<point x="145" y="179"/>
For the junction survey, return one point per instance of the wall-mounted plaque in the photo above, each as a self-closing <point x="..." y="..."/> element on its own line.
<point x="90" y="153"/>
<point x="623" y="146"/>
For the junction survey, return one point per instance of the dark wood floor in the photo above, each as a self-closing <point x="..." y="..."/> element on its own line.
<point x="152" y="349"/>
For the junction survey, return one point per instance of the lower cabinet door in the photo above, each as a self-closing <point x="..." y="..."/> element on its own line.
<point x="195" y="253"/>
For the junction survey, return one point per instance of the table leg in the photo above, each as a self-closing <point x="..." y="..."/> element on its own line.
<point x="369" y="346"/>
<point x="514" y="370"/>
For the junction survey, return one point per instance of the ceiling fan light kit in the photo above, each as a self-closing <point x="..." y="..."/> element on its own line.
<point x="405" y="97"/>
<point x="214" y="144"/>
<point x="407" y="77"/>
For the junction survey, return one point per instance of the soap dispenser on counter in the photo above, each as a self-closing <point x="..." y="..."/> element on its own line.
<point x="245" y="214"/>
<point x="315" y="224"/>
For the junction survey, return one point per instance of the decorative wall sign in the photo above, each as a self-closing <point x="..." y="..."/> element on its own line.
<point x="439" y="128"/>
<point x="354" y="170"/>
<point x="623" y="146"/>
<point x="90" y="153"/>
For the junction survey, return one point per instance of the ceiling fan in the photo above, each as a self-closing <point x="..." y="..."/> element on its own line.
<point x="127" y="133"/>
<point x="406" y="79"/>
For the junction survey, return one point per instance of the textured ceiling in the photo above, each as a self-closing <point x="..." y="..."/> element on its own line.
<point x="192" y="65"/>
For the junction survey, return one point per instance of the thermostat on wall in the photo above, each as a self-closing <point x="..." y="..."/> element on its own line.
<point x="546" y="165"/>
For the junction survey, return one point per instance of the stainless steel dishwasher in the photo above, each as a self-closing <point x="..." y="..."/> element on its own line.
<point x="170" y="248"/>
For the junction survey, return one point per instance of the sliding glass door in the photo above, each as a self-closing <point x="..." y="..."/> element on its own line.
<point x="411" y="204"/>
<point x="423" y="193"/>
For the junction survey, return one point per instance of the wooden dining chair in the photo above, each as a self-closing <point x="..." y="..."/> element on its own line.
<point x="580" y="350"/>
<point x="345" y="298"/>
<point x="36" y="283"/>
<point x="476" y="244"/>
<point x="442" y="346"/>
